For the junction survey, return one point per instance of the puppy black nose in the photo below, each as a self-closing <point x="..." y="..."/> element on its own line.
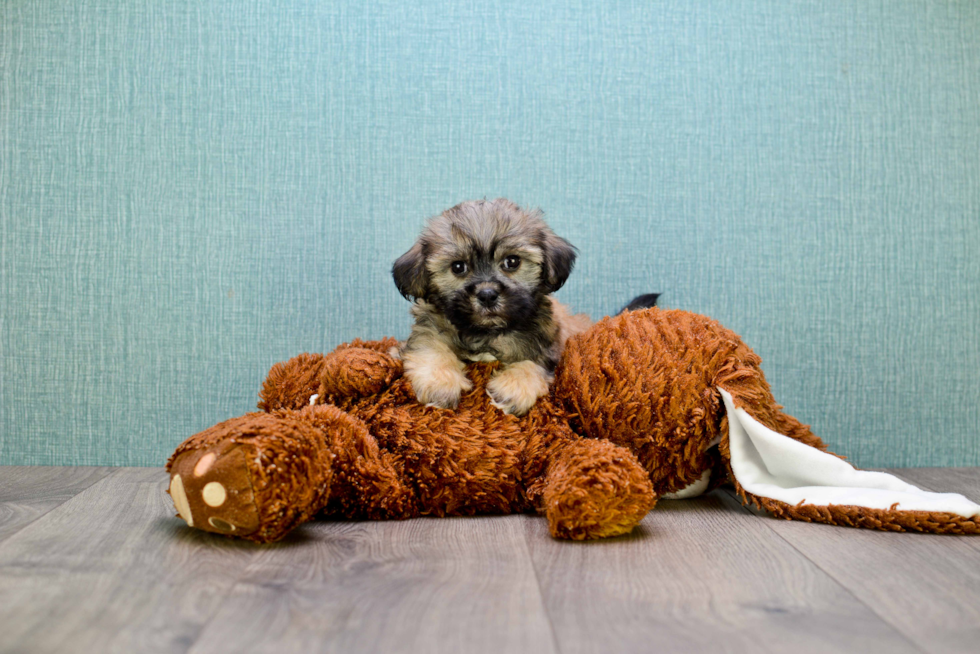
<point x="487" y="297"/>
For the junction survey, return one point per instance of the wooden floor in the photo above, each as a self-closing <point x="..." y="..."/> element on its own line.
<point x="93" y="560"/>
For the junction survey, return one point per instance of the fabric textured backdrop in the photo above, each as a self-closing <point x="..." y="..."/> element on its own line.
<point x="191" y="191"/>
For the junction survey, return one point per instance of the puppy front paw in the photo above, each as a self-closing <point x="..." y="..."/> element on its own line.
<point x="436" y="381"/>
<point x="442" y="390"/>
<point x="515" y="388"/>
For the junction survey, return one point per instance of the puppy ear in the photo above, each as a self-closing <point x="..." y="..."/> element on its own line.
<point x="559" y="259"/>
<point x="411" y="276"/>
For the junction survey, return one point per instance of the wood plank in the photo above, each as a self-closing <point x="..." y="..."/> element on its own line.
<point x="426" y="585"/>
<point x="112" y="569"/>
<point x="926" y="586"/>
<point x="28" y="492"/>
<point x="698" y="575"/>
<point x="965" y="481"/>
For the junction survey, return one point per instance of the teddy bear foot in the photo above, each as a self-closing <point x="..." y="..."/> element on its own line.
<point x="256" y="476"/>
<point x="596" y="489"/>
<point x="212" y="490"/>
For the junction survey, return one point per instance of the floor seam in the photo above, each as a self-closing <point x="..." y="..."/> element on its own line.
<point x="537" y="582"/>
<point x="733" y="495"/>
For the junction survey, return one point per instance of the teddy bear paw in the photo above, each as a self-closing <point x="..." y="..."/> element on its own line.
<point x="212" y="490"/>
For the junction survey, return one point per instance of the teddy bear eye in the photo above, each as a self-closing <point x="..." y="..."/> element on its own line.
<point x="512" y="263"/>
<point x="458" y="267"/>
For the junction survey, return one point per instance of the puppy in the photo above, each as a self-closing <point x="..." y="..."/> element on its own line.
<point x="480" y="276"/>
<point x="645" y="301"/>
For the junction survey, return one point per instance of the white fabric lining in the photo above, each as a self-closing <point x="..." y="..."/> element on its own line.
<point x="774" y="466"/>
<point x="694" y="489"/>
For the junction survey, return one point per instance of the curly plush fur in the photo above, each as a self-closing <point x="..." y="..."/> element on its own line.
<point x="635" y="412"/>
<point x="367" y="449"/>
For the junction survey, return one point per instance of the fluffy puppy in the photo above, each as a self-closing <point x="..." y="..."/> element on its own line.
<point x="480" y="276"/>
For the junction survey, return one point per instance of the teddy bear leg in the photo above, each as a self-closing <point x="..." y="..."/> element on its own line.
<point x="254" y="477"/>
<point x="368" y="483"/>
<point x="595" y="489"/>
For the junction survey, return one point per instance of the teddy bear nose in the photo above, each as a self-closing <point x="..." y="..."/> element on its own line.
<point x="487" y="297"/>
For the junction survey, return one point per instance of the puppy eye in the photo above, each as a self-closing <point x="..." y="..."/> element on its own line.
<point x="458" y="267"/>
<point x="511" y="263"/>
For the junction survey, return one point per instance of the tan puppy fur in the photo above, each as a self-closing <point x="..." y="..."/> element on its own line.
<point x="515" y="388"/>
<point x="436" y="374"/>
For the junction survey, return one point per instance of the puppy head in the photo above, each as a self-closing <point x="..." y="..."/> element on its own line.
<point x="485" y="264"/>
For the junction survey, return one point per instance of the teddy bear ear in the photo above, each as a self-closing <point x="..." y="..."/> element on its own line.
<point x="410" y="273"/>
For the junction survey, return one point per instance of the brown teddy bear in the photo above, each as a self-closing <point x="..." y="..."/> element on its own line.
<point x="652" y="403"/>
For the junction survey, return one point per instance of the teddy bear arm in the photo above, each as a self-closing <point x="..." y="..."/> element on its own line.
<point x="355" y="372"/>
<point x="290" y="384"/>
<point x="545" y="440"/>
<point x="353" y="369"/>
<point x="595" y="489"/>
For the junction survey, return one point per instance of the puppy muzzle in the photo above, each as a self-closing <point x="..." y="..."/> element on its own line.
<point x="487" y="297"/>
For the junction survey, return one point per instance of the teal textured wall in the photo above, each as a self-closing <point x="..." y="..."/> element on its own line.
<point x="191" y="191"/>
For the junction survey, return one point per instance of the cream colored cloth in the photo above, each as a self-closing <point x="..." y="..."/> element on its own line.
<point x="771" y="465"/>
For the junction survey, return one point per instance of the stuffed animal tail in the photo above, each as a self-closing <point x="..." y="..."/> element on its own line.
<point x="794" y="480"/>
